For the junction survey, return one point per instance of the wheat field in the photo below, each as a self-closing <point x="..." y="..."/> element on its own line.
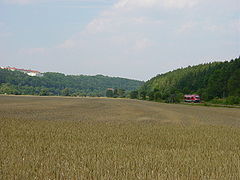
<point x="107" y="139"/>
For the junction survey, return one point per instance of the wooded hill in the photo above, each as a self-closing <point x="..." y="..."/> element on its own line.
<point x="14" y="82"/>
<point x="217" y="81"/>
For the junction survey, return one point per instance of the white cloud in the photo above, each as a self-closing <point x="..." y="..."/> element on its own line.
<point x="67" y="44"/>
<point x="235" y="25"/>
<point x="21" y="1"/>
<point x="145" y="34"/>
<point x="132" y="4"/>
<point x="142" y="44"/>
<point x="32" y="51"/>
<point x="209" y="27"/>
<point x="46" y="1"/>
<point x="187" y="27"/>
<point x="127" y="24"/>
<point x="99" y="25"/>
<point x="123" y="33"/>
<point x="111" y="24"/>
<point x="212" y="28"/>
<point x="129" y="13"/>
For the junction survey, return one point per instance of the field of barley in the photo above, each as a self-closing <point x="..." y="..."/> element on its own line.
<point x="114" y="139"/>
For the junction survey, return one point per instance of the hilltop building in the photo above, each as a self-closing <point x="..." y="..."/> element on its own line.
<point x="110" y="89"/>
<point x="26" y="71"/>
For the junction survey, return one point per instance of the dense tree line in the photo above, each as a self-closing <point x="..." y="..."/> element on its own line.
<point x="15" y="82"/>
<point x="216" y="82"/>
<point x="116" y="93"/>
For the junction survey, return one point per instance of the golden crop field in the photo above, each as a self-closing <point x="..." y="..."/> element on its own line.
<point x="114" y="139"/>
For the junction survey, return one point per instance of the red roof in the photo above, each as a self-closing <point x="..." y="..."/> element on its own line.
<point x="13" y="68"/>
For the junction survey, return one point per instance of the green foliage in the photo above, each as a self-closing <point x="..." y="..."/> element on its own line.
<point x="8" y="89"/>
<point x="65" y="92"/>
<point x="109" y="93"/>
<point x="212" y="80"/>
<point x="142" y="95"/>
<point x="121" y="93"/>
<point x="234" y="83"/>
<point x="218" y="101"/>
<point x="231" y="100"/>
<point x="134" y="94"/>
<point x="60" y="84"/>
<point x="116" y="93"/>
<point x="44" y="92"/>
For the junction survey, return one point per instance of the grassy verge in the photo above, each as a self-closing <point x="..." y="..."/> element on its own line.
<point x="211" y="105"/>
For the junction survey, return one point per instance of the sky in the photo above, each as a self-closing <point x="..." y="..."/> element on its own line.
<point x="135" y="39"/>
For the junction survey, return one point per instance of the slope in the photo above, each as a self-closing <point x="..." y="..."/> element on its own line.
<point x="12" y="82"/>
<point x="212" y="80"/>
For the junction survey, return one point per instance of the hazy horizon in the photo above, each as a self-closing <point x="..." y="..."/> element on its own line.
<point x="134" y="39"/>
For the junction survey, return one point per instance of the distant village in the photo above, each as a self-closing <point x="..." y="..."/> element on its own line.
<point x="26" y="71"/>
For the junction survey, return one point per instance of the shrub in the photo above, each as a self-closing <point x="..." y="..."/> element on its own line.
<point x="231" y="100"/>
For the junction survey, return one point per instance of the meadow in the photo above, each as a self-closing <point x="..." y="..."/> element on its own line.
<point x="107" y="139"/>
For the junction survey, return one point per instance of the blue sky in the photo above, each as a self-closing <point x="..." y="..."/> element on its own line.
<point x="128" y="38"/>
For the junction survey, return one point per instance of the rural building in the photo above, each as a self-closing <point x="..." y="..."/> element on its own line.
<point x="110" y="89"/>
<point x="26" y="71"/>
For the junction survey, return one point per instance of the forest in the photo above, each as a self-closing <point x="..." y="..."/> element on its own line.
<point x="216" y="82"/>
<point x="52" y="84"/>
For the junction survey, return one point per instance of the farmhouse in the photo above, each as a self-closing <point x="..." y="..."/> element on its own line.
<point x="110" y="89"/>
<point x="26" y="71"/>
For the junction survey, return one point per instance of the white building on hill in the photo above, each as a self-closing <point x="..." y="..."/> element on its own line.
<point x="28" y="72"/>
